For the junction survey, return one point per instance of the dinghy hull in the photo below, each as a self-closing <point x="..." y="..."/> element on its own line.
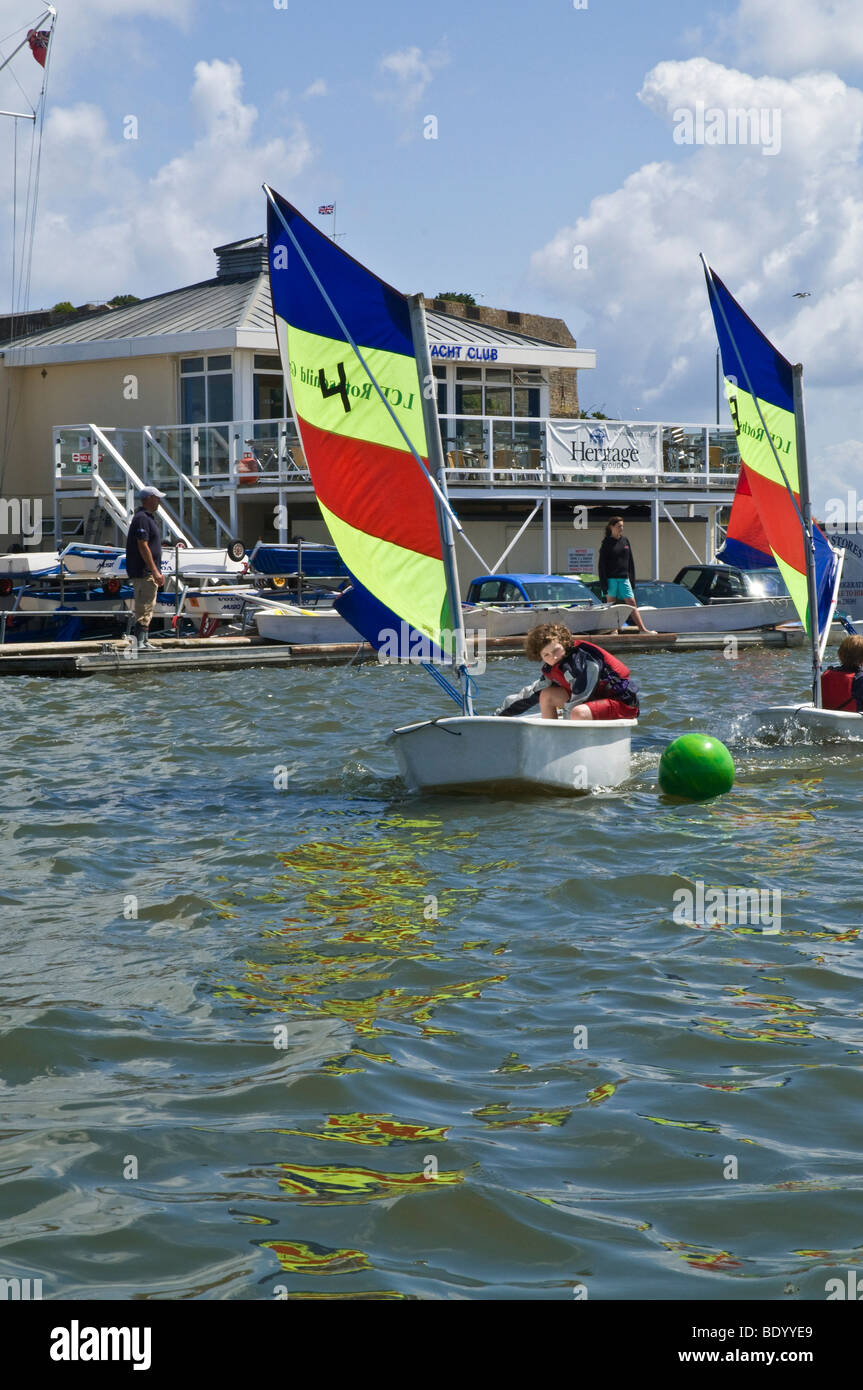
<point x="528" y="753"/>
<point x="805" y="723"/>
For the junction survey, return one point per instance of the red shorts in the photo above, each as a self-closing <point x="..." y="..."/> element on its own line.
<point x="611" y="709"/>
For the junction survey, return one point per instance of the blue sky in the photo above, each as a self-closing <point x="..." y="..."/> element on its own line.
<point x="555" y="129"/>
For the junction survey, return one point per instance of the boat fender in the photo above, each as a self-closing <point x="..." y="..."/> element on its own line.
<point x="112" y="587"/>
<point x="6" y="585"/>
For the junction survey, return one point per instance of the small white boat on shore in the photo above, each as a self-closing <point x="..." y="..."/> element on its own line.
<point x="745" y="616"/>
<point x="286" y="622"/>
<point x="517" y="622"/>
<point x="27" y="563"/>
<point x="109" y="562"/>
<point x="490" y="752"/>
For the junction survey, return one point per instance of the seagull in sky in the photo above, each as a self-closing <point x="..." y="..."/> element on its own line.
<point x="802" y="294"/>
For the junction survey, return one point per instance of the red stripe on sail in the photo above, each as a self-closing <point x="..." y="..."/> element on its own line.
<point x="779" y="519"/>
<point x="379" y="490"/>
<point x="745" y="523"/>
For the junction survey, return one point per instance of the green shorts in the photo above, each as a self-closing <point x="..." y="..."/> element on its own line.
<point x="619" y="589"/>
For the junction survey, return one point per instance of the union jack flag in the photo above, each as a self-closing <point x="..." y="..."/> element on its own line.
<point x="326" y="209"/>
<point x="38" y="41"/>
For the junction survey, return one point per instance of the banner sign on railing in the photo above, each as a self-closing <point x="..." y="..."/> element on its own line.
<point x="602" y="446"/>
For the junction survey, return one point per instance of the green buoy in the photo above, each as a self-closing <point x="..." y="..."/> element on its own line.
<point x="696" y="767"/>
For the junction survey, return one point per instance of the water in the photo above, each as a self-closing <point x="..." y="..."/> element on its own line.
<point x="508" y="1072"/>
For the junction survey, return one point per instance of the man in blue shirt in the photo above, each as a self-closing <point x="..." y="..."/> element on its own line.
<point x="143" y="563"/>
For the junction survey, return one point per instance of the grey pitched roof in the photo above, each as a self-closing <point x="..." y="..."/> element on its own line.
<point x="210" y="304"/>
<point x="239" y="303"/>
<point x="452" y="328"/>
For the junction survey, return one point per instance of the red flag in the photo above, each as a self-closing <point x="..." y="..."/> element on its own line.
<point x="38" y="41"/>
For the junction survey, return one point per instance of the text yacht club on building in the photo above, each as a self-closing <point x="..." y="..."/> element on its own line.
<point x="185" y="390"/>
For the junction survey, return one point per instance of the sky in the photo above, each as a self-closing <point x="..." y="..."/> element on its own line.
<point x="546" y="157"/>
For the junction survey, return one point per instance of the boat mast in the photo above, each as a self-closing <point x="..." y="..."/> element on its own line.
<point x="20" y="115"/>
<point x="808" y="539"/>
<point x="419" y="334"/>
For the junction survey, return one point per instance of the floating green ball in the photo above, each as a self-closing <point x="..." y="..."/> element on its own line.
<point x="696" y="767"/>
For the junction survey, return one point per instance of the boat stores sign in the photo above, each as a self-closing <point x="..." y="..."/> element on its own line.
<point x="590" y="446"/>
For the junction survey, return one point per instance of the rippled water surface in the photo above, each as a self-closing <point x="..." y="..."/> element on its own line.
<point x="343" y="1041"/>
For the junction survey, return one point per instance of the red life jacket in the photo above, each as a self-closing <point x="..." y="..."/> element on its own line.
<point x="836" y="689"/>
<point x="555" y="674"/>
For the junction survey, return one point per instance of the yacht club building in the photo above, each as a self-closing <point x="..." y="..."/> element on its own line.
<point x="185" y="389"/>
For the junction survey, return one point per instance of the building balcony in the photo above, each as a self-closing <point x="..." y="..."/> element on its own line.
<point x="484" y="454"/>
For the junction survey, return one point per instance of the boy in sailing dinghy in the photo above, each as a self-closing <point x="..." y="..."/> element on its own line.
<point x="582" y="679"/>
<point x="842" y="685"/>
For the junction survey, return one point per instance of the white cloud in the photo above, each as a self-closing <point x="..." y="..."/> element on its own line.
<point x="408" y="72"/>
<point x="82" y="24"/>
<point x="318" y="88"/>
<point x="840" y="472"/>
<point x="103" y="228"/>
<point x="769" y="226"/>
<point x="799" y="35"/>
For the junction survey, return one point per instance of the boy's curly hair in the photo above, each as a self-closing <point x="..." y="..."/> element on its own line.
<point x="540" y="636"/>
<point x="851" y="652"/>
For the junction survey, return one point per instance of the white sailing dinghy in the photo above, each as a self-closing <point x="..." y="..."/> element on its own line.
<point x="765" y="396"/>
<point x="356" y="361"/>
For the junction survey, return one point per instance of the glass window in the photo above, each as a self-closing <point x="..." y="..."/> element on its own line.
<point x="567" y="591"/>
<point x="269" y="396"/>
<point x="510" y="594"/>
<point x="468" y="400"/>
<point x="726" y="586"/>
<point x="766" y="584"/>
<point x="468" y="373"/>
<point x="192" y="364"/>
<point x="488" y="592"/>
<point x="498" y="374"/>
<point x="498" y="400"/>
<point x="219" y="364"/>
<point x="193" y="403"/>
<point x="441" y="398"/>
<point x="220" y="397"/>
<point x="438" y="371"/>
<point x="268" y="362"/>
<point x="689" y="578"/>
<point x="526" y="401"/>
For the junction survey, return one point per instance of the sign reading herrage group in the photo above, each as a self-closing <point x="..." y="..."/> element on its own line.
<point x="603" y="446"/>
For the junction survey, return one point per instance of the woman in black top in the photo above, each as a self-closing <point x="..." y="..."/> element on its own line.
<point x="617" y="570"/>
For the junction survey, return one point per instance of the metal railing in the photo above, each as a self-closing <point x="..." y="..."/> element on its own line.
<point x="242" y="457"/>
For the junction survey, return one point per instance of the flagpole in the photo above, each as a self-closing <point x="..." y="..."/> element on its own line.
<point x="808" y="537"/>
<point x="6" y="61"/>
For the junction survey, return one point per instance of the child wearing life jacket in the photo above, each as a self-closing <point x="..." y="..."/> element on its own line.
<point x="842" y="685"/>
<point x="579" y="677"/>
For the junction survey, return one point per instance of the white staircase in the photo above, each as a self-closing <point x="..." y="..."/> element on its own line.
<point x="114" y="485"/>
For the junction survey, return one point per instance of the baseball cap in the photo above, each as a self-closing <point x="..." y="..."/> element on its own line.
<point x="152" y="492"/>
